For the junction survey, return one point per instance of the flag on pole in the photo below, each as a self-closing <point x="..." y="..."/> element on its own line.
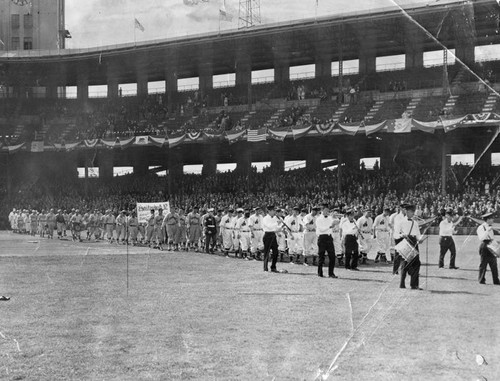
<point x="138" y="25"/>
<point x="223" y="14"/>
<point x="259" y="135"/>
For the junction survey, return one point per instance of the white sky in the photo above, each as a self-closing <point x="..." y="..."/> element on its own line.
<point x="107" y="22"/>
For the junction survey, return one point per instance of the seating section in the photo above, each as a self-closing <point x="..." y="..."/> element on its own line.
<point x="391" y="109"/>
<point x="357" y="112"/>
<point x="470" y="103"/>
<point x="429" y="108"/>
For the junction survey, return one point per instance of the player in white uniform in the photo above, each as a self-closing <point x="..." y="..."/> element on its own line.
<point x="365" y="224"/>
<point x="337" y="241"/>
<point x="255" y="223"/>
<point x="244" y="234"/>
<point x="381" y="233"/>
<point x="281" y="236"/>
<point x="236" y="241"/>
<point x="295" y="238"/>
<point x="226" y="231"/>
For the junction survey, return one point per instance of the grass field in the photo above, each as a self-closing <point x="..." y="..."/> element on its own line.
<point x="192" y="316"/>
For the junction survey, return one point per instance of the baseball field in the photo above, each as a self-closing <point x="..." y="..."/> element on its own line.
<point x="96" y="311"/>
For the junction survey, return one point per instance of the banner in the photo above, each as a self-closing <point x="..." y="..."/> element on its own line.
<point x="142" y="140"/>
<point x="373" y="128"/>
<point x="37" y="146"/>
<point x="300" y="130"/>
<point x="144" y="209"/>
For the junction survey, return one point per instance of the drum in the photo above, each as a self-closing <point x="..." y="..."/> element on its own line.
<point x="406" y="250"/>
<point x="494" y="248"/>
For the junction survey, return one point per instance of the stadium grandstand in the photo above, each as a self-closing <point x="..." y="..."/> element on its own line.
<point x="372" y="91"/>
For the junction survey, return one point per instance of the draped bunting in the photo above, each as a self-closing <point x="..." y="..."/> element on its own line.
<point x="234" y="135"/>
<point x="278" y="133"/>
<point x="300" y="131"/>
<point x="402" y="125"/>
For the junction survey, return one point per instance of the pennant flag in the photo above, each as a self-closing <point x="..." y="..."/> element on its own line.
<point x="325" y="129"/>
<point x="158" y="142"/>
<point x="372" y="128"/>
<point x="299" y="131"/>
<point x="15" y="148"/>
<point x="349" y="129"/>
<point x="127" y="142"/>
<point x="90" y="143"/>
<point x="259" y="135"/>
<point x="278" y="133"/>
<point x="223" y="14"/>
<point x="235" y="135"/>
<point x="449" y="124"/>
<point x="37" y="146"/>
<point x="425" y="126"/>
<point x="176" y="139"/>
<point x="141" y="140"/>
<point x="194" y="135"/>
<point x="138" y="25"/>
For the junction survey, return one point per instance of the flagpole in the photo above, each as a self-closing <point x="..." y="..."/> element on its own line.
<point x="135" y="27"/>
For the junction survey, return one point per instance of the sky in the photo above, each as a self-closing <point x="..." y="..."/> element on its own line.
<point x="109" y="22"/>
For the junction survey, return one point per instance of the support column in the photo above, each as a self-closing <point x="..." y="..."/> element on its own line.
<point x="313" y="159"/>
<point x="243" y="86"/>
<point x="82" y="83"/>
<point x="443" y="165"/>
<point x="388" y="152"/>
<point x="51" y="88"/>
<point x="112" y="86"/>
<point x="171" y="87"/>
<point x="277" y="155"/>
<point x="106" y="164"/>
<point x="140" y="167"/>
<point x="465" y="33"/>
<point x="243" y="158"/>
<point x="367" y="51"/>
<point x="414" y="39"/>
<point x="206" y="73"/>
<point x="142" y="82"/>
<point x="324" y="53"/>
<point x="175" y="162"/>
<point x="209" y="160"/>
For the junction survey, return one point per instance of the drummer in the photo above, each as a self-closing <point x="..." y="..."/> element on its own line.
<point x="486" y="236"/>
<point x="409" y="230"/>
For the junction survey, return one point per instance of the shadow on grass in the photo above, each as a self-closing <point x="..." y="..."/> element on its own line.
<point x="444" y="292"/>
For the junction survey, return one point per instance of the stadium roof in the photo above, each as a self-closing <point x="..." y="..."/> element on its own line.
<point x="300" y="41"/>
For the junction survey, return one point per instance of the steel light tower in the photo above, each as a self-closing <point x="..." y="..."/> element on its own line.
<point x="249" y="13"/>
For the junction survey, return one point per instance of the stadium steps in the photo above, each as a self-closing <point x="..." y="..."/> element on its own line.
<point x="247" y="117"/>
<point x="459" y="78"/>
<point x="490" y="103"/>
<point x="374" y="110"/>
<point x="450" y="104"/>
<point x="339" y="112"/>
<point x="412" y="106"/>
<point x="274" y="118"/>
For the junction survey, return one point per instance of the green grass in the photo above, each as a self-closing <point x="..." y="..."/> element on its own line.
<point x="190" y="316"/>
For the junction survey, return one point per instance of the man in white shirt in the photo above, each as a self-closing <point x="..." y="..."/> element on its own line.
<point x="271" y="225"/>
<point x="446" y="242"/>
<point x="410" y="231"/>
<point x="324" y="230"/>
<point x="381" y="234"/>
<point x="486" y="235"/>
<point x="396" y="226"/>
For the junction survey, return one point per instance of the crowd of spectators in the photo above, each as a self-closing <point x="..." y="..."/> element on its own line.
<point x="360" y="189"/>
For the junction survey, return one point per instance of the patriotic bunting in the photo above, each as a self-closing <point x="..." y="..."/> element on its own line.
<point x="300" y="131"/>
<point x="158" y="142"/>
<point x="325" y="129"/>
<point x="372" y="128"/>
<point x="194" y="135"/>
<point x="126" y="142"/>
<point x="449" y="124"/>
<point x="278" y="133"/>
<point x="141" y="140"/>
<point x="176" y="139"/>
<point x="90" y="143"/>
<point x="15" y="148"/>
<point x="235" y="135"/>
<point x="259" y="135"/>
<point x="349" y="129"/>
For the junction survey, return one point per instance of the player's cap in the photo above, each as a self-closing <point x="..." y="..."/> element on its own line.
<point x="367" y="209"/>
<point x="336" y="210"/>
<point x="403" y="205"/>
<point x="58" y="211"/>
<point x="450" y="212"/>
<point x="349" y="211"/>
<point x="123" y="211"/>
<point x="270" y="207"/>
<point x="296" y="208"/>
<point x="304" y="210"/>
<point x="220" y="210"/>
<point x="316" y="208"/>
<point x="77" y="211"/>
<point x="230" y="210"/>
<point x="410" y="207"/>
<point x="240" y="210"/>
<point x="195" y="207"/>
<point x="488" y="215"/>
<point x="210" y="210"/>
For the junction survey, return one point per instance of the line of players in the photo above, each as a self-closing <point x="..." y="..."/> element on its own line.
<point x="237" y="232"/>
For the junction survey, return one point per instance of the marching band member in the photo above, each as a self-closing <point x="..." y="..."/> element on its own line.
<point x="324" y="231"/>
<point x="381" y="233"/>
<point x="255" y="223"/>
<point x="409" y="230"/>
<point x="446" y="242"/>
<point x="350" y="234"/>
<point x="486" y="236"/>
<point x="365" y="224"/>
